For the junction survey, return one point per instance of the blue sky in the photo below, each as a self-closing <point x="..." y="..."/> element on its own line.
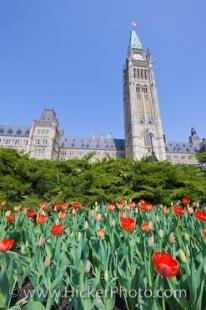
<point x="69" y="55"/>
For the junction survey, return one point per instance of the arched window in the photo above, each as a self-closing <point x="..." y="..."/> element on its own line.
<point x="138" y="88"/>
<point x="145" y="89"/>
<point x="148" y="138"/>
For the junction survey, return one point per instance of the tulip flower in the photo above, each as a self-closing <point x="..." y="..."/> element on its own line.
<point x="120" y="203"/>
<point x="57" y="229"/>
<point x="200" y="215"/>
<point x="182" y="256"/>
<point x="31" y="214"/>
<point x="75" y="204"/>
<point x="204" y="233"/>
<point x="166" y="210"/>
<point x="17" y="208"/>
<point x="161" y="233"/>
<point x="61" y="214"/>
<point x="186" y="201"/>
<point x="6" y="245"/>
<point x="41" y="218"/>
<point x="127" y="223"/>
<point x="86" y="225"/>
<point x="130" y="205"/>
<point x="151" y="241"/>
<point x="165" y="264"/>
<point x="97" y="216"/>
<point x="60" y="206"/>
<point x="9" y="217"/>
<point x="101" y="233"/>
<point x="3" y="203"/>
<point x="43" y="205"/>
<point x="172" y="237"/>
<point x="144" y="206"/>
<point x="178" y="211"/>
<point x="111" y="207"/>
<point x="146" y="227"/>
<point x="40" y="241"/>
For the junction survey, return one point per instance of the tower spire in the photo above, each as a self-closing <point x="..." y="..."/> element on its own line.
<point x="134" y="40"/>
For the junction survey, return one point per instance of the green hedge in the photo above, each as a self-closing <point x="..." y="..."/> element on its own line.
<point x="27" y="181"/>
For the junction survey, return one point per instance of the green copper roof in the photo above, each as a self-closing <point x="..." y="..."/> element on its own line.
<point x="134" y="40"/>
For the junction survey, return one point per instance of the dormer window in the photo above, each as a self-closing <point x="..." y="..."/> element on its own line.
<point x="10" y="131"/>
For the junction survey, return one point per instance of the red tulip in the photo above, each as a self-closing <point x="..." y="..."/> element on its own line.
<point x="31" y="214"/>
<point x="111" y="207"/>
<point x="101" y="233"/>
<point x="204" y="233"/>
<point x="130" y="205"/>
<point x="75" y="204"/>
<point x="144" y="206"/>
<point x="178" y="210"/>
<point x="146" y="227"/>
<point x="120" y="203"/>
<point x="61" y="206"/>
<point x="165" y="264"/>
<point x="41" y="219"/>
<point x="6" y="245"/>
<point x="57" y="229"/>
<point x="200" y="215"/>
<point x="186" y="201"/>
<point x="127" y="223"/>
<point x="10" y="218"/>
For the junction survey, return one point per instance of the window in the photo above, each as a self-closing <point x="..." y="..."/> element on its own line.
<point x="148" y="139"/>
<point x="138" y="88"/>
<point x="134" y="72"/>
<point x="138" y="73"/>
<point x="145" y="89"/>
<point x="145" y="74"/>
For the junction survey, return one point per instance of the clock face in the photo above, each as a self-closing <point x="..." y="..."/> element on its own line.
<point x="137" y="57"/>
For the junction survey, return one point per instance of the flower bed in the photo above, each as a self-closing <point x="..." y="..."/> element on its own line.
<point x="124" y="255"/>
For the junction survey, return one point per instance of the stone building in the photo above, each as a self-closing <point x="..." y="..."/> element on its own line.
<point x="143" y="125"/>
<point x="44" y="139"/>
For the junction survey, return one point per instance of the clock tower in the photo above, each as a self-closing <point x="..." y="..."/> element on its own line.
<point x="143" y="125"/>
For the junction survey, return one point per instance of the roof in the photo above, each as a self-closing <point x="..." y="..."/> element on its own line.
<point x="181" y="147"/>
<point x="135" y="41"/>
<point x="93" y="143"/>
<point x="48" y="116"/>
<point x="20" y="131"/>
